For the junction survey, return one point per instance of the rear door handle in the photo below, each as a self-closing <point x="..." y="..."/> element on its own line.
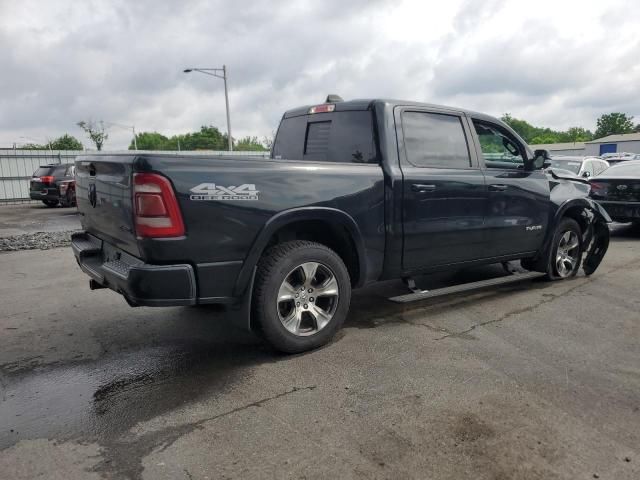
<point x="497" y="188"/>
<point x="422" y="188"/>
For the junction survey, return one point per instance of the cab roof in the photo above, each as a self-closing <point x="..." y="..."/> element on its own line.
<point x="369" y="103"/>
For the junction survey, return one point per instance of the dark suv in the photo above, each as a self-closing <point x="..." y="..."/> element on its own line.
<point x="54" y="184"/>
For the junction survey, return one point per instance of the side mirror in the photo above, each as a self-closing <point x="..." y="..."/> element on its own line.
<point x="541" y="159"/>
<point x="586" y="174"/>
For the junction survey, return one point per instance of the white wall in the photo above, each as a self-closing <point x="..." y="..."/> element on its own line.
<point x="631" y="147"/>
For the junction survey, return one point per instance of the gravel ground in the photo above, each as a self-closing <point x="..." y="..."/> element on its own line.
<point x="18" y="220"/>
<point x="35" y="241"/>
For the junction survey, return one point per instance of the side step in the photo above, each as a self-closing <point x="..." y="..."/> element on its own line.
<point x="465" y="287"/>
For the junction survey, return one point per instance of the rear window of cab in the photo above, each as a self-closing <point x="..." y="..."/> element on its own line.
<point x="345" y="137"/>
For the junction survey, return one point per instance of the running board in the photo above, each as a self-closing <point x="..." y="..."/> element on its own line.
<point x="465" y="287"/>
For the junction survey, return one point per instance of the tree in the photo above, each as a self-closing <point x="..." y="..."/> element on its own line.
<point x="208" y="138"/>
<point x="522" y="127"/>
<point x="66" y="142"/>
<point x="150" y="141"/>
<point x="95" y="131"/>
<point x="250" y="144"/>
<point x="614" y="123"/>
<point x="578" y="134"/>
<point x="34" y="146"/>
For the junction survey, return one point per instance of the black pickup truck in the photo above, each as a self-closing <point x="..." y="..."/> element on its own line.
<point x="353" y="192"/>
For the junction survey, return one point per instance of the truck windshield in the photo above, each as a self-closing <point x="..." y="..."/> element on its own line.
<point x="327" y="137"/>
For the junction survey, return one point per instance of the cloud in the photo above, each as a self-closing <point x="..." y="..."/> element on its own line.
<point x="553" y="63"/>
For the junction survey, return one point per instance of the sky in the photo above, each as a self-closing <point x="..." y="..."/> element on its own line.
<point x="553" y="63"/>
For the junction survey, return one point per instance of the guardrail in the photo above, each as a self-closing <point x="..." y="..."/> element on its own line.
<point x="17" y="167"/>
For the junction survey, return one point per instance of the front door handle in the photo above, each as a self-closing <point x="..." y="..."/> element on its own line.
<point x="497" y="188"/>
<point x="422" y="188"/>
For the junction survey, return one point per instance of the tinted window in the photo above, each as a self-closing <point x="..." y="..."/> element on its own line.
<point x="317" y="142"/>
<point x="435" y="140"/>
<point x="61" y="171"/>
<point x="327" y="137"/>
<point x="499" y="148"/>
<point x="43" y="171"/>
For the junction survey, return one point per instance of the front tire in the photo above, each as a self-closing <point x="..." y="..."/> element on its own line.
<point x="301" y="296"/>
<point x="50" y="203"/>
<point x="565" y="255"/>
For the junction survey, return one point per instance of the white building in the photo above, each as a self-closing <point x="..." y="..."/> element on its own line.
<point x="570" y="149"/>
<point x="627" y="142"/>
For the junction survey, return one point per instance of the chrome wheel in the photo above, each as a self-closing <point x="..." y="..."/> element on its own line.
<point x="568" y="253"/>
<point x="307" y="298"/>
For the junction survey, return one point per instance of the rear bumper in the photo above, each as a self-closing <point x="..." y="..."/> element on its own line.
<point x="621" y="211"/>
<point x="45" y="194"/>
<point x="140" y="283"/>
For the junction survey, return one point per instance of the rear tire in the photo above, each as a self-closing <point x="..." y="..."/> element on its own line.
<point x="50" y="203"/>
<point x="69" y="200"/>
<point x="301" y="295"/>
<point x="565" y="255"/>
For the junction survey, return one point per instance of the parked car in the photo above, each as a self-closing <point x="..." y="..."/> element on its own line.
<point x="354" y="192"/>
<point x="618" y="191"/>
<point x="582" y="166"/>
<point x="54" y="184"/>
<point x="619" y="157"/>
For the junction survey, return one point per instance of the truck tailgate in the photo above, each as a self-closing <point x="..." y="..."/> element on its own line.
<point x="104" y="197"/>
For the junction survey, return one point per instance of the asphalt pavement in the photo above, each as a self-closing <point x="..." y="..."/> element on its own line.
<point x="531" y="381"/>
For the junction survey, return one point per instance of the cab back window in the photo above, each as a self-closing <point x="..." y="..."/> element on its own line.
<point x="345" y="137"/>
<point x="43" y="171"/>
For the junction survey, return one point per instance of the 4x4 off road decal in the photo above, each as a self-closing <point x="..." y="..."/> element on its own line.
<point x="211" y="191"/>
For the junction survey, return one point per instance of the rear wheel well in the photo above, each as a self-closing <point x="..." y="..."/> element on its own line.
<point x="332" y="235"/>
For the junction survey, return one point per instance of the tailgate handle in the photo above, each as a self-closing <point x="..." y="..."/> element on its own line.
<point x="497" y="188"/>
<point x="422" y="188"/>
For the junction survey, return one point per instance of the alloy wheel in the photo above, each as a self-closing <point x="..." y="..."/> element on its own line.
<point x="567" y="254"/>
<point x="307" y="298"/>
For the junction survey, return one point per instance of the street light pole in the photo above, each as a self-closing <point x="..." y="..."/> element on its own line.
<point x="133" y="129"/>
<point x="226" y="101"/>
<point x="219" y="73"/>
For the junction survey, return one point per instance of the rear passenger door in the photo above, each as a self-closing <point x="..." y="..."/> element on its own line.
<point x="444" y="195"/>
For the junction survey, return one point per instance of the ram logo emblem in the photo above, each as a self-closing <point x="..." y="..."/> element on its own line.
<point x="211" y="191"/>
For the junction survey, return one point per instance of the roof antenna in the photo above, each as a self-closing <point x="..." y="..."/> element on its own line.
<point x="333" y="98"/>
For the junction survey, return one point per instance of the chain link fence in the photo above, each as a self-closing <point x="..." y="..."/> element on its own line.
<point x="17" y="167"/>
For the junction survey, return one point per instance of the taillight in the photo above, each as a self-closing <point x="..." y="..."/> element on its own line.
<point x="597" y="188"/>
<point x="325" y="108"/>
<point x="48" y="179"/>
<point x="157" y="213"/>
